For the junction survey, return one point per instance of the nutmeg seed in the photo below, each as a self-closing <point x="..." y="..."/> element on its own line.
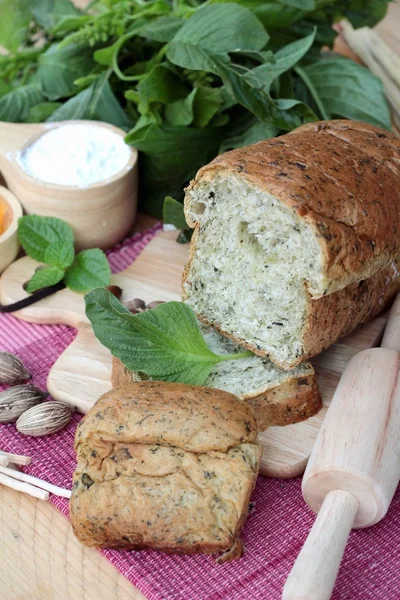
<point x="16" y="400"/>
<point x="44" y="419"/>
<point x="12" y="369"/>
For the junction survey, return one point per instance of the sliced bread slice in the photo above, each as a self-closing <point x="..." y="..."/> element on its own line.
<point x="278" y="397"/>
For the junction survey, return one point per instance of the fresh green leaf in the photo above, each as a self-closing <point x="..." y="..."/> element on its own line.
<point x="162" y="29"/>
<point x="97" y="102"/>
<point x="89" y="270"/>
<point x="206" y="104"/>
<point x="347" y="89"/>
<point x="173" y="213"/>
<point x="60" y="67"/>
<point x="43" y="278"/>
<point x="286" y="58"/>
<point x="66" y="24"/>
<point x="41" y="112"/>
<point x="105" y="56"/>
<point x="247" y="131"/>
<point x="60" y="254"/>
<point x="194" y="57"/>
<point x="198" y="108"/>
<point x="37" y="233"/>
<point x="221" y="28"/>
<point x="48" y="13"/>
<point x="161" y="85"/>
<point x="165" y="342"/>
<point x="363" y="13"/>
<point x="15" y="106"/>
<point x="14" y="23"/>
<point x="180" y="113"/>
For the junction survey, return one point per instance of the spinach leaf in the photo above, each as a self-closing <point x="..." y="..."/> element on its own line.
<point x="41" y="112"/>
<point x="245" y="131"/>
<point x="286" y="58"/>
<point x="165" y="342"/>
<point x="96" y="102"/>
<point x="16" y="104"/>
<point x="60" y="67"/>
<point x="48" y="13"/>
<point x="173" y="213"/>
<point x="162" y="29"/>
<point x="220" y="28"/>
<point x="346" y="89"/>
<point x="14" y="23"/>
<point x="198" y="108"/>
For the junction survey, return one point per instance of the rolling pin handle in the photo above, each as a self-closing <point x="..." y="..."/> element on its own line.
<point x="314" y="572"/>
<point x="391" y="337"/>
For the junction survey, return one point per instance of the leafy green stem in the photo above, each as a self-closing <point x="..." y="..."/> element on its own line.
<point x="244" y="354"/>
<point x="303" y="75"/>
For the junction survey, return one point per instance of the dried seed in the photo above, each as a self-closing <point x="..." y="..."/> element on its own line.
<point x="154" y="304"/>
<point x="136" y="305"/>
<point x="44" y="419"/>
<point x="115" y="291"/>
<point x="12" y="369"/>
<point x="18" y="399"/>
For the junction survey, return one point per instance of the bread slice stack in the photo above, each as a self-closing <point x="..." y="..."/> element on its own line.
<point x="296" y="243"/>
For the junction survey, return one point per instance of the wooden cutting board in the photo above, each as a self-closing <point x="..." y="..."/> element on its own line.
<point x="82" y="373"/>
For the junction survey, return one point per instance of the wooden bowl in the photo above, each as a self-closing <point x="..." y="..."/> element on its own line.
<point x="101" y="214"/>
<point x="11" y="210"/>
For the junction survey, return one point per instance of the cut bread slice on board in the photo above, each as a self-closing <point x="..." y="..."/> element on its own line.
<point x="278" y="397"/>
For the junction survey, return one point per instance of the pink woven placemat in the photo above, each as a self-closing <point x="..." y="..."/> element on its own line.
<point x="273" y="534"/>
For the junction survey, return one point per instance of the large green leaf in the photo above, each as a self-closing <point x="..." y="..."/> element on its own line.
<point x="48" y="13"/>
<point x="96" y="102"/>
<point x="286" y="58"/>
<point x="14" y="23"/>
<point x="245" y="131"/>
<point x="60" y="67"/>
<point x="198" y="108"/>
<point x="347" y="89"/>
<point x="221" y="28"/>
<point x="162" y="29"/>
<point x="161" y="85"/>
<point x="15" y="106"/>
<point x="165" y="342"/>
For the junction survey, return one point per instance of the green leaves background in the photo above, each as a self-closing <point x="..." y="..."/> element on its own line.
<point x="186" y="79"/>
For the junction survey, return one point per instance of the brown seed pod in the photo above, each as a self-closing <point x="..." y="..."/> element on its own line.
<point x="12" y="369"/>
<point x="16" y="400"/>
<point x="44" y="419"/>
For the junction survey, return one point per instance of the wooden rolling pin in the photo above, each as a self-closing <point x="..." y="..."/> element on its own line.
<point x="354" y="467"/>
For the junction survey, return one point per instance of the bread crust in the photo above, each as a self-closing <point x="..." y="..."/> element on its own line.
<point x="165" y="466"/>
<point x="359" y="236"/>
<point x="293" y="401"/>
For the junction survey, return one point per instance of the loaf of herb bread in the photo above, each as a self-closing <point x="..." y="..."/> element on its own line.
<point x="297" y="239"/>
<point x="166" y="466"/>
<point x="278" y="397"/>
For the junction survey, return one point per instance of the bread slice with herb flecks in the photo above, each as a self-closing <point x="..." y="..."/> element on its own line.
<point x="278" y="397"/>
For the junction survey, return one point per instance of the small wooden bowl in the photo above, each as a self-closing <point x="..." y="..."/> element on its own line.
<point x="9" y="245"/>
<point x="101" y="214"/>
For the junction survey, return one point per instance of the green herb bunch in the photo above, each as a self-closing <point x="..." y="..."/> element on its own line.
<point x="186" y="79"/>
<point x="51" y="241"/>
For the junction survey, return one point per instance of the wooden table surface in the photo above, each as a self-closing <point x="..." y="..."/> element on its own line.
<point x="40" y="556"/>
